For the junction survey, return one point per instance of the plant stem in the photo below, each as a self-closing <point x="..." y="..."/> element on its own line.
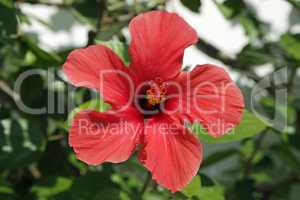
<point x="146" y="184"/>
<point x="248" y="164"/>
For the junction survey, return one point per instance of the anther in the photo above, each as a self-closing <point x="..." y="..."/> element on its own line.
<point x="157" y="92"/>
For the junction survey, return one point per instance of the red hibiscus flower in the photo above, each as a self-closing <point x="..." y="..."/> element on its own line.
<point x="151" y="99"/>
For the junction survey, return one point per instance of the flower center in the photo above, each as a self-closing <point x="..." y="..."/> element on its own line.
<point x="151" y="97"/>
<point x="157" y="92"/>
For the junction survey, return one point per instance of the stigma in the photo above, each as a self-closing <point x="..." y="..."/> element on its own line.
<point x="157" y="92"/>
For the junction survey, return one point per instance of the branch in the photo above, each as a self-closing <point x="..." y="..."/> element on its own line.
<point x="213" y="52"/>
<point x="56" y="137"/>
<point x="291" y="79"/>
<point x="7" y="93"/>
<point x="93" y="34"/>
<point x="146" y="183"/>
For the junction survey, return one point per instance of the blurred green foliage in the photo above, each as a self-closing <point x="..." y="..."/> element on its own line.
<point x="256" y="161"/>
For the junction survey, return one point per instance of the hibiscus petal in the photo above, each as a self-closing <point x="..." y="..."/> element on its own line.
<point x="98" y="67"/>
<point x="211" y="97"/>
<point x="158" y="42"/>
<point x="171" y="153"/>
<point x="103" y="137"/>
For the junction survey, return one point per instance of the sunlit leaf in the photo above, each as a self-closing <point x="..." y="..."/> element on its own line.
<point x="7" y="3"/>
<point x="51" y="187"/>
<point x="192" y="189"/>
<point x="249" y="126"/>
<point x="251" y="26"/>
<point x="196" y="190"/>
<point x="291" y="45"/>
<point x="95" y="104"/>
<point x="5" y="188"/>
<point x="118" y="47"/>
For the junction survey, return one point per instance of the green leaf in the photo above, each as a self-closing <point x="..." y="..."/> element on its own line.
<point x="196" y="190"/>
<point x="246" y="150"/>
<point x="249" y="126"/>
<point x="253" y="56"/>
<point x="211" y="193"/>
<point x="290" y="43"/>
<point x="7" y="3"/>
<point x="94" y="104"/>
<point x="51" y="186"/>
<point x="43" y="56"/>
<point x="5" y="188"/>
<point x="295" y="3"/>
<point x="120" y="48"/>
<point x="193" y="5"/>
<point x="250" y="25"/>
<point x="192" y="189"/>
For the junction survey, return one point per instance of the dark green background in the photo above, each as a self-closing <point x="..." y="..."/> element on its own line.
<point x="257" y="162"/>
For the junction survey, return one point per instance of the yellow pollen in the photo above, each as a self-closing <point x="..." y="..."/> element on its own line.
<point x="157" y="92"/>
